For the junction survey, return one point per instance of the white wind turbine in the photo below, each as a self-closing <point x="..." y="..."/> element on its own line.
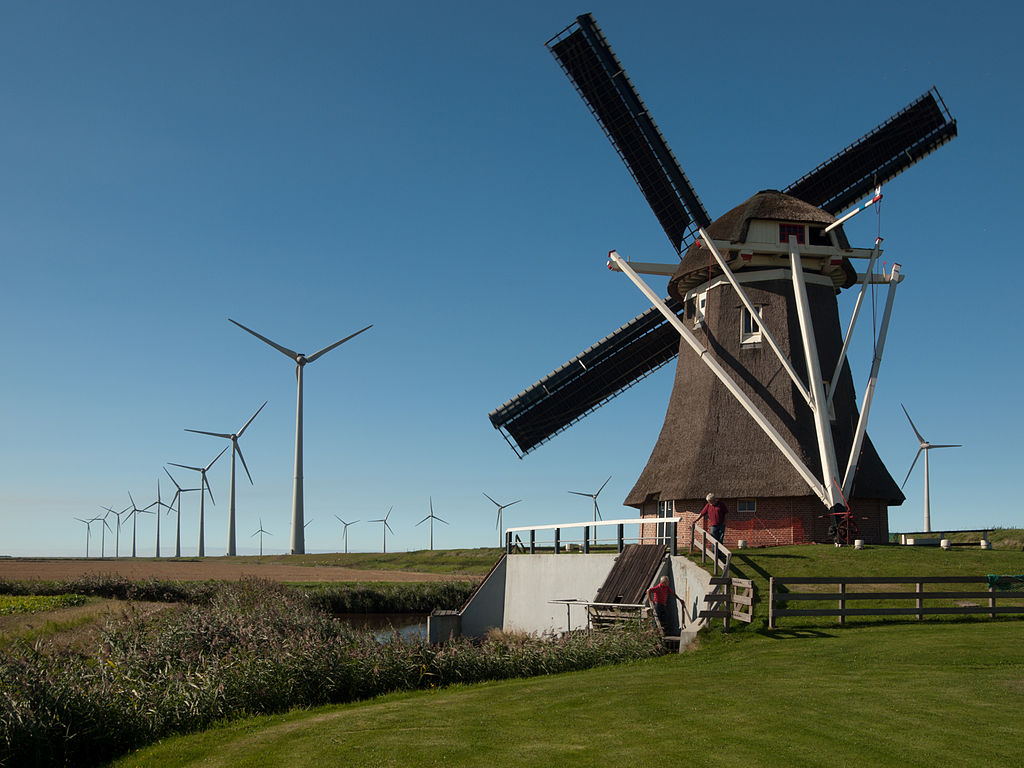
<point x="177" y="498"/>
<point x="597" y="512"/>
<point x="235" y="450"/>
<point x="925" y="446"/>
<point x="298" y="539"/>
<point x="158" y="503"/>
<point x="117" y="538"/>
<point x="431" y="517"/>
<point x="104" y="529"/>
<point x="204" y="488"/>
<point x="386" y="527"/>
<point x="135" y="519"/>
<point x="88" y="532"/>
<point x="497" y="524"/>
<point x="260" y="531"/>
<point x="344" y="531"/>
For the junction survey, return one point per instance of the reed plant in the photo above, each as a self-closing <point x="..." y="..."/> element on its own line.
<point x="252" y="647"/>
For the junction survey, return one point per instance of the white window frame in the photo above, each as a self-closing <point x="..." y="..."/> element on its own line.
<point x="751" y="336"/>
<point x="665" y="509"/>
<point x="741" y="506"/>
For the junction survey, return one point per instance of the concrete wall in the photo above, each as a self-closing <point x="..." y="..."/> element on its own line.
<point x="533" y="580"/>
<point x="487" y="608"/>
<point x="691" y="583"/>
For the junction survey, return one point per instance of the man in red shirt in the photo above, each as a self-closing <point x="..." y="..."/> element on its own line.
<point x="658" y="595"/>
<point x="714" y="512"/>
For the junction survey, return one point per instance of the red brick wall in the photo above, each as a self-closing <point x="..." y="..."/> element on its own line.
<point x="788" y="520"/>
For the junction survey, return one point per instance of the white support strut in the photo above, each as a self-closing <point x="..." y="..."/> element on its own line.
<point x="866" y="279"/>
<point x="723" y="376"/>
<point x="819" y="408"/>
<point x="869" y="391"/>
<point x="754" y="314"/>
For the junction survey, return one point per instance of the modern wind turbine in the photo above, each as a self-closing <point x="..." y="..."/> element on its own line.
<point x="177" y="498"/>
<point x="344" y="531"/>
<point x="158" y="503"/>
<point x="386" y="527"/>
<point x="104" y="529"/>
<point x="298" y="541"/>
<point x="431" y="517"/>
<point x="235" y="450"/>
<point x="88" y="532"/>
<point x="204" y="488"/>
<point x="925" y="446"/>
<point x="117" y="538"/>
<point x="497" y="524"/>
<point x="135" y="519"/>
<point x="260" y="531"/>
<point x="597" y="512"/>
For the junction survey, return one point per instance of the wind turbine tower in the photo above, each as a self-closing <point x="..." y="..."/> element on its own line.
<point x="925" y="446"/>
<point x="597" y="512"/>
<point x="344" y="531"/>
<point x="204" y="488"/>
<point x="177" y="498"/>
<point x="298" y="541"/>
<point x="385" y="527"/>
<point x="497" y="524"/>
<point x="431" y="517"/>
<point x="235" y="450"/>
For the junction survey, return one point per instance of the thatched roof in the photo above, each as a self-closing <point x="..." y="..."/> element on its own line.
<point x="769" y="205"/>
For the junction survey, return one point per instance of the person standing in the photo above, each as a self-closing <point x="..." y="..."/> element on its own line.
<point x="658" y="595"/>
<point x="714" y="512"/>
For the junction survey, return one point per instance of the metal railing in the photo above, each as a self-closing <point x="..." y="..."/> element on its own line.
<point x="562" y="538"/>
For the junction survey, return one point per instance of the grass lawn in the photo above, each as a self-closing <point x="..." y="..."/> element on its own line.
<point x="910" y="694"/>
<point x="458" y="562"/>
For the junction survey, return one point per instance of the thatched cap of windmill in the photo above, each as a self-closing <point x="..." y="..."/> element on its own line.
<point x="756" y="231"/>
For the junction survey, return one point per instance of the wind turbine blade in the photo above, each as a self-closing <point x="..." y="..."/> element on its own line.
<point x="239" y="449"/>
<point x="386" y="523"/>
<point x="250" y="419"/>
<point x="283" y="350"/>
<point x="185" y="466"/>
<point x="339" y="520"/>
<point x="421" y="522"/>
<point x="514" y="502"/>
<point x="440" y="520"/>
<point x="213" y="434"/>
<point x="133" y="501"/>
<point x="207" y="467"/>
<point x="603" y="485"/>
<point x="173" y="480"/>
<point x="945" y="446"/>
<point x="492" y="501"/>
<point x="325" y="350"/>
<point x="919" y="438"/>
<point x="107" y="524"/>
<point x="209" y="490"/>
<point x="580" y="493"/>
<point x="912" y="466"/>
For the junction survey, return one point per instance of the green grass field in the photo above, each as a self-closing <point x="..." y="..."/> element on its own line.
<point x="457" y="562"/>
<point x="896" y="693"/>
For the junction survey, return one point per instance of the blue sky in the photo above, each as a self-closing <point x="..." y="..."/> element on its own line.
<point x="310" y="168"/>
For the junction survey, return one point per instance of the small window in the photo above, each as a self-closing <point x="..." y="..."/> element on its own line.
<point x="785" y="230"/>
<point x="750" y="327"/>
<point x="700" y="306"/>
<point x="747" y="507"/>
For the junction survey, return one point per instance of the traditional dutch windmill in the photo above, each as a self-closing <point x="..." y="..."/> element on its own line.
<point x="753" y="299"/>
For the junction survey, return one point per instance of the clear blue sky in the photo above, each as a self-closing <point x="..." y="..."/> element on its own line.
<point x="309" y="168"/>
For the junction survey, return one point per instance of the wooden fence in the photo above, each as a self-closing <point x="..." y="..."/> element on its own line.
<point x="734" y="601"/>
<point x="966" y="598"/>
<point x="709" y="546"/>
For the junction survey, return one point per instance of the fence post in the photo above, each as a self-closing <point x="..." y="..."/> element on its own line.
<point x="919" y="602"/>
<point x="842" y="602"/>
<point x="992" y="601"/>
<point x="586" y="539"/>
<point x="675" y="539"/>
<point x="619" y="537"/>
<point x="558" y="540"/>
<point x="508" y="542"/>
<point x="533" y="541"/>
<point x="728" y="605"/>
<point x="771" y="602"/>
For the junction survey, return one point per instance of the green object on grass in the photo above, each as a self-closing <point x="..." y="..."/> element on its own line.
<point x="1013" y="582"/>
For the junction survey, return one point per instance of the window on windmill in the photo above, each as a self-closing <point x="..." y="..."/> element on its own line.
<point x="700" y="304"/>
<point x="750" y="328"/>
<point x="665" y="509"/>
<point x="747" y="507"/>
<point x="797" y="230"/>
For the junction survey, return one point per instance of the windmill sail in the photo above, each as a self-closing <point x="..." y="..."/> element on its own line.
<point x="595" y="71"/>
<point x="918" y="129"/>
<point x="590" y="379"/>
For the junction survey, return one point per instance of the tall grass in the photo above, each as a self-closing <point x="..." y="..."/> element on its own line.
<point x="254" y="647"/>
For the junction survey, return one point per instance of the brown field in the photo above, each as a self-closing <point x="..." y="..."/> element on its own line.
<point x="212" y="568"/>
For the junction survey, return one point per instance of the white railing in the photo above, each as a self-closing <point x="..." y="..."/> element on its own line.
<point x="557" y="543"/>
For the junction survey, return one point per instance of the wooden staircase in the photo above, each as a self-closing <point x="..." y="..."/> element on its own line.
<point x="626" y="584"/>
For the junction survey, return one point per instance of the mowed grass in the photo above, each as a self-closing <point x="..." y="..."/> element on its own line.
<point x="900" y="695"/>
<point x="457" y="562"/>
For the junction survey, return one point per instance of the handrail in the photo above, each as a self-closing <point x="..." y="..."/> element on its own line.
<point x="718" y="549"/>
<point x="670" y="537"/>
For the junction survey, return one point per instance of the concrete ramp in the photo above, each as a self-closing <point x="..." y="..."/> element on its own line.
<point x="632" y="574"/>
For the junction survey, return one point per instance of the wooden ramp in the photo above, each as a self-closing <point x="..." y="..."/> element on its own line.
<point x="627" y="582"/>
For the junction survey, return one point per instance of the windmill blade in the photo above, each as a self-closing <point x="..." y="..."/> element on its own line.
<point x="440" y="520"/>
<point x="916" y="456"/>
<point x="424" y="520"/>
<point x="592" y="378"/>
<point x="580" y="493"/>
<point x="325" y="350"/>
<point x="585" y="56"/>
<point x="239" y="449"/>
<point x="944" y="446"/>
<point x="917" y="130"/>
<point x="602" y="486"/>
<point x="207" y="467"/>
<point x="246" y="426"/>
<point x="172" y="480"/>
<point x="388" y="526"/>
<point x="919" y="438"/>
<point x="492" y="500"/>
<point x="209" y="489"/>
<point x="284" y="350"/>
<point x="186" y="466"/>
<point x="212" y="434"/>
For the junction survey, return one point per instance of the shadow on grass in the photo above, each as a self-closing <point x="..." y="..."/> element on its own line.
<point x="794" y="634"/>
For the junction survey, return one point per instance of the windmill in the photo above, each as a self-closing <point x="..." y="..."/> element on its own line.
<point x="204" y="488"/>
<point x="925" y="446"/>
<point x="104" y="529"/>
<point x="117" y="538"/>
<point x="385" y="527"/>
<point x="88" y="532"/>
<point x="431" y="517"/>
<point x="260" y="531"/>
<point x="597" y="510"/>
<point x="158" y="503"/>
<point x="759" y="286"/>
<point x="135" y="519"/>
<point x="497" y="524"/>
<point x="298" y="542"/>
<point x="344" y="531"/>
<point x="177" y="498"/>
<point x="235" y="450"/>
